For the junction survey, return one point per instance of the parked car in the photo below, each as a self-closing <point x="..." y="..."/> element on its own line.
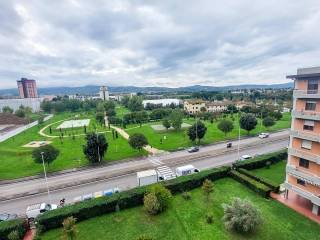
<point x="35" y="210"/>
<point x="193" y="149"/>
<point x="87" y="197"/>
<point x="229" y="144"/>
<point x="7" y="217"/>
<point x="263" y="135"/>
<point x="245" y="157"/>
<point x="186" y="170"/>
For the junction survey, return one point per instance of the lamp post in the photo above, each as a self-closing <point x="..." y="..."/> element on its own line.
<point x="239" y="137"/>
<point x="45" y="176"/>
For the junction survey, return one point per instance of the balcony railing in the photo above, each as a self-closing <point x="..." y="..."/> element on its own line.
<point x="304" y="175"/>
<point x="306" y="93"/>
<point x="305" y="135"/>
<point x="308" y="195"/>
<point x="303" y="154"/>
<point x="309" y="115"/>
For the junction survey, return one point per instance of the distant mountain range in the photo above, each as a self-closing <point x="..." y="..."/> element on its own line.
<point x="92" y="89"/>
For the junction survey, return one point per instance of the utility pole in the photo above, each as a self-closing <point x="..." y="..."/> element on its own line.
<point x="239" y="136"/>
<point x="45" y="176"/>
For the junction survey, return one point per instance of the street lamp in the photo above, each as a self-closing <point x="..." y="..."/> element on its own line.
<point x="239" y="137"/>
<point x="45" y="176"/>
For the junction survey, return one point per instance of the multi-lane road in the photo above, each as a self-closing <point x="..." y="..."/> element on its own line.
<point x="15" y="196"/>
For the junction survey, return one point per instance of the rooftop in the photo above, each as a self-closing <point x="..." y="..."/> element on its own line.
<point x="306" y="73"/>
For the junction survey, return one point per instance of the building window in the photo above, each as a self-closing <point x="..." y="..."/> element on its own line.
<point x="311" y="106"/>
<point x="308" y="125"/>
<point x="303" y="163"/>
<point x="313" y="86"/>
<point x="301" y="182"/>
<point x="306" y="144"/>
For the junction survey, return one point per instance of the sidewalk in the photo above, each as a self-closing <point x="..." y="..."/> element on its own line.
<point x="29" y="234"/>
<point x="297" y="203"/>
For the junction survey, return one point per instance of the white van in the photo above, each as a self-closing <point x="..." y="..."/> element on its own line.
<point x="35" y="210"/>
<point x="186" y="170"/>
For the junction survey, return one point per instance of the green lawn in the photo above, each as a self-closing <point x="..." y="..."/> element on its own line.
<point x="185" y="220"/>
<point x="276" y="173"/>
<point x="16" y="161"/>
<point x="178" y="139"/>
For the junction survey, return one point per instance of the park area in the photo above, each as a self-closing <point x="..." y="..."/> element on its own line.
<point x="185" y="219"/>
<point x="171" y="140"/>
<point x="15" y="153"/>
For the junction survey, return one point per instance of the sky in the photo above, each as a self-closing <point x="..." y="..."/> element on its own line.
<point x="156" y="43"/>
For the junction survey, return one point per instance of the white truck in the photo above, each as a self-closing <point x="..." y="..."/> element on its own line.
<point x="186" y="170"/>
<point x="147" y="177"/>
<point x="35" y="210"/>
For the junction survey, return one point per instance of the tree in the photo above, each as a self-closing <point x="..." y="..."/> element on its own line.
<point x="197" y="131"/>
<point x="7" y="109"/>
<point x="157" y="199"/>
<point x="40" y="119"/>
<point x="100" y="117"/>
<point x="207" y="188"/>
<point x="110" y="107"/>
<point x="241" y="216"/>
<point x="225" y="126"/>
<point x="248" y="122"/>
<point x="125" y="100"/>
<point x="268" y="122"/>
<point x="138" y="141"/>
<point x="20" y="113"/>
<point x="176" y="119"/>
<point x="69" y="228"/>
<point x="276" y="115"/>
<point x="96" y="147"/>
<point x="50" y="153"/>
<point x="166" y="123"/>
<point x="135" y="104"/>
<point x="203" y="109"/>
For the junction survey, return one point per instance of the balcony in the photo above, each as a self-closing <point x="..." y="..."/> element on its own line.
<point x="303" y="154"/>
<point x="305" y="135"/>
<point x="304" y="175"/>
<point x="308" y="115"/>
<point x="313" y="198"/>
<point x="306" y="93"/>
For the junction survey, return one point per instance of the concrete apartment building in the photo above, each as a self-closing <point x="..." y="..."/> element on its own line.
<point x="27" y="88"/>
<point x="196" y="105"/>
<point x="303" y="166"/>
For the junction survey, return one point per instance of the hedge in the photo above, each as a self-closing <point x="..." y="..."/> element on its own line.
<point x="131" y="198"/>
<point x="254" y="185"/>
<point x="6" y="227"/>
<point x="261" y="161"/>
<point x="273" y="186"/>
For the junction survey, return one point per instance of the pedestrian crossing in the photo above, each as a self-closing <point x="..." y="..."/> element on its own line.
<point x="166" y="172"/>
<point x="155" y="161"/>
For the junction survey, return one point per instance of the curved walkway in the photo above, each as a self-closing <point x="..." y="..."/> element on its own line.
<point x="126" y="136"/>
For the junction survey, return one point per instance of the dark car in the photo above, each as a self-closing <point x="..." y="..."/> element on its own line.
<point x="193" y="149"/>
<point x="6" y="217"/>
<point x="229" y="144"/>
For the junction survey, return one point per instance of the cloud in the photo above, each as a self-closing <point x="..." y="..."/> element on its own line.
<point x="162" y="43"/>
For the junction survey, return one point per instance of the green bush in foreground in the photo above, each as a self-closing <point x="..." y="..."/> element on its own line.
<point x="7" y="227"/>
<point x="157" y="199"/>
<point x="241" y="216"/>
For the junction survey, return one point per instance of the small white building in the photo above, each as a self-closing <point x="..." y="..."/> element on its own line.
<point x="33" y="103"/>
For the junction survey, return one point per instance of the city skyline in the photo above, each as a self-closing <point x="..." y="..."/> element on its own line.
<point x="121" y="43"/>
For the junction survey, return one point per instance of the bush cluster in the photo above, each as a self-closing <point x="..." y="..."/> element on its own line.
<point x="273" y="186"/>
<point x="7" y="227"/>
<point x="259" y="188"/>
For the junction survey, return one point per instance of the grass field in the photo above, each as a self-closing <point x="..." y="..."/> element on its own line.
<point x="16" y="161"/>
<point x="276" y="173"/>
<point x="185" y="220"/>
<point x="179" y="139"/>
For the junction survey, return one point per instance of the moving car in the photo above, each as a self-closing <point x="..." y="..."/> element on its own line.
<point x="35" y="210"/>
<point x="186" y="170"/>
<point x="7" y="217"/>
<point x="245" y="157"/>
<point x="229" y="144"/>
<point x="263" y="135"/>
<point x="193" y="149"/>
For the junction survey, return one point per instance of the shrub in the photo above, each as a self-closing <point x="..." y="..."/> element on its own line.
<point x="186" y="195"/>
<point x="69" y="228"/>
<point x="144" y="237"/>
<point x="259" y="188"/>
<point x="207" y="188"/>
<point x="7" y="227"/>
<point x="241" y="216"/>
<point x="163" y="196"/>
<point x="151" y="204"/>
<point x="14" y="235"/>
<point x="209" y="218"/>
<point x="273" y="186"/>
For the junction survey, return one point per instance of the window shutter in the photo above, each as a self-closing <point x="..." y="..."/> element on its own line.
<point x="306" y="144"/>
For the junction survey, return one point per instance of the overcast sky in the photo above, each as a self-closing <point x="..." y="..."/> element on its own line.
<point x="156" y="43"/>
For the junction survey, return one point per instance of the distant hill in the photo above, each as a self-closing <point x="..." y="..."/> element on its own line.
<point x="92" y="89"/>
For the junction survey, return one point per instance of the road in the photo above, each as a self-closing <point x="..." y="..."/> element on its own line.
<point x="15" y="197"/>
